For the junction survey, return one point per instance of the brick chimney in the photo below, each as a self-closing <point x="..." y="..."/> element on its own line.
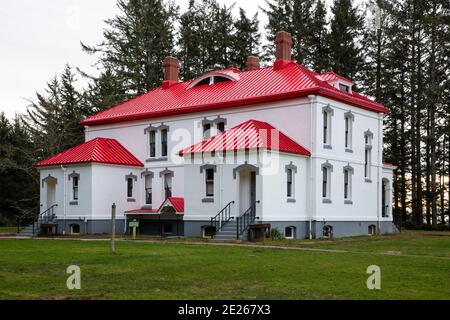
<point x="171" y="71"/>
<point x="252" y="63"/>
<point x="283" y="42"/>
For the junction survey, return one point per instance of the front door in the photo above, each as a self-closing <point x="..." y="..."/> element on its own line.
<point x="252" y="188"/>
<point x="51" y="193"/>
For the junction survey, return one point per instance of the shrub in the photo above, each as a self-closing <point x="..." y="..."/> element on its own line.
<point x="275" y="234"/>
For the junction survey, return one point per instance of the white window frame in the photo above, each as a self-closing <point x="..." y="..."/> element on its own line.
<point x="327" y="115"/>
<point x="293" y="169"/>
<point x="75" y="188"/>
<point x="292" y="236"/>
<point x="209" y="181"/>
<point x="348" y="171"/>
<point x="348" y="131"/>
<point x="368" y="138"/>
<point x="326" y="168"/>
<point x="150" y="133"/>
<point x="148" y="177"/>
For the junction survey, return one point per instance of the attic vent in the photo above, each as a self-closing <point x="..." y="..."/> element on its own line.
<point x="214" y="77"/>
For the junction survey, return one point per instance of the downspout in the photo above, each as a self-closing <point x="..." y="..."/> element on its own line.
<point x="311" y="207"/>
<point x="379" y="160"/>
<point x="64" y="169"/>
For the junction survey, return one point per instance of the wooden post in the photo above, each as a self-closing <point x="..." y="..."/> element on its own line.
<point x="113" y="229"/>
<point x="134" y="230"/>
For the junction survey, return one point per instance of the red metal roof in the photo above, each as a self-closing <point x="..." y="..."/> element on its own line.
<point x="100" y="150"/>
<point x="330" y="76"/>
<point x="176" y="202"/>
<point x="254" y="86"/>
<point x="251" y="134"/>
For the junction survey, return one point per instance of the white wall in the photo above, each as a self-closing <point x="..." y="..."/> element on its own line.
<point x="83" y="208"/>
<point x="109" y="186"/>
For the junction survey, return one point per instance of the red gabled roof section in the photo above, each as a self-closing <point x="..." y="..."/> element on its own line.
<point x="251" y="134"/>
<point x="176" y="202"/>
<point x="99" y="150"/>
<point x="254" y="86"/>
<point x="331" y="76"/>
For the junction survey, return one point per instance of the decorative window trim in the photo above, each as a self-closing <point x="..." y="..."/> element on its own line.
<point x="219" y="119"/>
<point x="156" y="159"/>
<point x="167" y="172"/>
<point x="73" y="175"/>
<point x="147" y="173"/>
<point x="368" y="133"/>
<point x="350" y="115"/>
<point x="73" y="203"/>
<point x="327" y="165"/>
<point x="291" y="200"/>
<point x="291" y="166"/>
<point x="328" y="109"/>
<point x="208" y="200"/>
<point x="208" y="166"/>
<point x="132" y="176"/>
<point x="49" y="178"/>
<point x="245" y="166"/>
<point x="349" y="168"/>
<point x="207" y="121"/>
<point x="150" y="128"/>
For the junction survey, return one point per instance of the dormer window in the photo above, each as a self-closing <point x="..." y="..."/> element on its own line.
<point x="344" y="87"/>
<point x="211" y="78"/>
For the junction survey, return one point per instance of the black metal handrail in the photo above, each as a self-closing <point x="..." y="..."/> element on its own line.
<point x="222" y="217"/>
<point x="246" y="219"/>
<point x="45" y="217"/>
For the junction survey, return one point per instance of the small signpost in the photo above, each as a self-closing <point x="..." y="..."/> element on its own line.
<point x="134" y="224"/>
<point x="112" y="247"/>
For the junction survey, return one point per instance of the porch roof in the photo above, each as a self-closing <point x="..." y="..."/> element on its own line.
<point x="252" y="134"/>
<point x="176" y="202"/>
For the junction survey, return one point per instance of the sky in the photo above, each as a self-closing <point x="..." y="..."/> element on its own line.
<point x="38" y="38"/>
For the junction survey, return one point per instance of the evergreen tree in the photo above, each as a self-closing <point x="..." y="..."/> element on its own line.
<point x="346" y="26"/>
<point x="318" y="54"/>
<point x="246" y="40"/>
<point x="136" y="42"/>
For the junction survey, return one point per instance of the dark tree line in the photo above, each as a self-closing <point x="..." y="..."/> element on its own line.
<point x="396" y="51"/>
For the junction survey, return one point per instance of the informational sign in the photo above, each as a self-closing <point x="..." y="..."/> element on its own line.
<point x="134" y="224"/>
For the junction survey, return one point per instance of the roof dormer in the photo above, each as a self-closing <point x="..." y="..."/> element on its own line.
<point x="213" y="77"/>
<point x="337" y="81"/>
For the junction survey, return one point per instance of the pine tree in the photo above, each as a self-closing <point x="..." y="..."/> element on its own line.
<point x="136" y="42"/>
<point x="318" y="54"/>
<point x="346" y="26"/>
<point x="246" y="40"/>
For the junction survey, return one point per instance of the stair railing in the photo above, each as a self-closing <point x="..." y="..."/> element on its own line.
<point x="222" y="217"/>
<point x="246" y="219"/>
<point x="45" y="217"/>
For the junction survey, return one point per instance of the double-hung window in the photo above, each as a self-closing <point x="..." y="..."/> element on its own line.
<point x="167" y="185"/>
<point x="368" y="155"/>
<point x="148" y="189"/>
<point x="327" y="168"/>
<point x="164" y="143"/>
<point x="327" y="113"/>
<point x="289" y="183"/>
<point x="348" y="173"/>
<point x="152" y="143"/>
<point x="75" y="188"/>
<point x="209" y="181"/>
<point x="130" y="187"/>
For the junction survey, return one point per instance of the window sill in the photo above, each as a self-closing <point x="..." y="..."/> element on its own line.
<point x="147" y="206"/>
<point x="348" y="150"/>
<point x="326" y="201"/>
<point x="131" y="200"/>
<point x="291" y="200"/>
<point x="368" y="180"/>
<point x="73" y="203"/>
<point x="156" y="159"/>
<point x="348" y="202"/>
<point x="208" y="200"/>
<point x="327" y="146"/>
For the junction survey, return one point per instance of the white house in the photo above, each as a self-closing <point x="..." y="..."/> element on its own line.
<point x="279" y="145"/>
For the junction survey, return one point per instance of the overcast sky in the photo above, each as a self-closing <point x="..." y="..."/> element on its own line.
<point x="37" y="38"/>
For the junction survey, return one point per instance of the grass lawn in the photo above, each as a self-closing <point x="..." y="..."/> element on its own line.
<point x="418" y="268"/>
<point x="8" y="229"/>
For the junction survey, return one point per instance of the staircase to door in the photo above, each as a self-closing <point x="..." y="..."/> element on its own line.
<point x="231" y="228"/>
<point x="44" y="219"/>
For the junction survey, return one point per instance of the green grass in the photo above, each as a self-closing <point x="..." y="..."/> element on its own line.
<point x="35" y="269"/>
<point x="8" y="229"/>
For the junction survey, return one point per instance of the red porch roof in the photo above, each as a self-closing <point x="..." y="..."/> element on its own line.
<point x="251" y="134"/>
<point x="99" y="150"/>
<point x="253" y="86"/>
